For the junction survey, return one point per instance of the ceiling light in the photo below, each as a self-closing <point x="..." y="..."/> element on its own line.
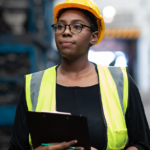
<point x="109" y="12"/>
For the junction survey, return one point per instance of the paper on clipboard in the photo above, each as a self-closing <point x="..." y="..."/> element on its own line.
<point x="56" y="112"/>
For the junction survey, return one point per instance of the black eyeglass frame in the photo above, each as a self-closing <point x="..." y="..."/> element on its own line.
<point x="70" y="27"/>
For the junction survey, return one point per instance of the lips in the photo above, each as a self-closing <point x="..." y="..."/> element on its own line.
<point x="67" y="43"/>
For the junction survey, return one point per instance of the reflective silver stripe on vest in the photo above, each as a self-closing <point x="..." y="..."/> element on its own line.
<point x="117" y="75"/>
<point x="35" y="88"/>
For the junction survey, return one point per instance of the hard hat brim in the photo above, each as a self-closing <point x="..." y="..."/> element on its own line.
<point x="100" y="20"/>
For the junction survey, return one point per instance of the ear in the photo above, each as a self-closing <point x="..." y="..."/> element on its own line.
<point x="94" y="38"/>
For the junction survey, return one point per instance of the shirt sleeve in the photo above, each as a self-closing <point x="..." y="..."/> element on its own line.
<point x="20" y="133"/>
<point x="137" y="125"/>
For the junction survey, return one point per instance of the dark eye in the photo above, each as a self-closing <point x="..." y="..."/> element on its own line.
<point x="77" y="27"/>
<point x="60" y="26"/>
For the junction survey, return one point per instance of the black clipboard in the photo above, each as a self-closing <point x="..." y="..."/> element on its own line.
<point x="52" y="128"/>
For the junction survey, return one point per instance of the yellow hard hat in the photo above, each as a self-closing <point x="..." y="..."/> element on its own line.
<point x="88" y="5"/>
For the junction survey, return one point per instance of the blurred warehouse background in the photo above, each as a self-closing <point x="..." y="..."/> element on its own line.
<point x="27" y="45"/>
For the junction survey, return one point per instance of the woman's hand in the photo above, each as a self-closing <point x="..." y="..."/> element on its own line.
<point x="92" y="148"/>
<point x="60" y="146"/>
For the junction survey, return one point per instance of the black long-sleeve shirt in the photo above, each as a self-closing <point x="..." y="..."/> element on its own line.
<point x="85" y="101"/>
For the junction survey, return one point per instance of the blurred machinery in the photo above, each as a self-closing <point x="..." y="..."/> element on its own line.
<point x="25" y="47"/>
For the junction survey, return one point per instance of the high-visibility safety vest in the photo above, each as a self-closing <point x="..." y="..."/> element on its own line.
<point x="113" y="82"/>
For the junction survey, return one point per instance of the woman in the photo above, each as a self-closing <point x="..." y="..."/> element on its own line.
<point x="116" y="118"/>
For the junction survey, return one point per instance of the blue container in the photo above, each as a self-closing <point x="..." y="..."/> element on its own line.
<point x="7" y="115"/>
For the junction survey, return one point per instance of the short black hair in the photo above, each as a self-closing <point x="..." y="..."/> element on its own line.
<point x="89" y="15"/>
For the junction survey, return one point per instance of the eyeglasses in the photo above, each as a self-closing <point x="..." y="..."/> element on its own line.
<point x="74" y="28"/>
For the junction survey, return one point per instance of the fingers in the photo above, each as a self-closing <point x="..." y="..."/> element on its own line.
<point x="62" y="146"/>
<point x="77" y="148"/>
<point x="92" y="148"/>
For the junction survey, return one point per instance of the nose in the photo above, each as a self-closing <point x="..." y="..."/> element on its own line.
<point x="67" y="31"/>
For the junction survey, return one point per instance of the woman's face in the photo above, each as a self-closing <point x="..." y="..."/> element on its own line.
<point x="72" y="45"/>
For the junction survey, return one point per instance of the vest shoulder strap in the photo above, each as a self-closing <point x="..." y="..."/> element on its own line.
<point x="33" y="86"/>
<point x="114" y="95"/>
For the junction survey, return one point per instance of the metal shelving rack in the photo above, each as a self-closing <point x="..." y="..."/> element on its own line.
<point x="24" y="43"/>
